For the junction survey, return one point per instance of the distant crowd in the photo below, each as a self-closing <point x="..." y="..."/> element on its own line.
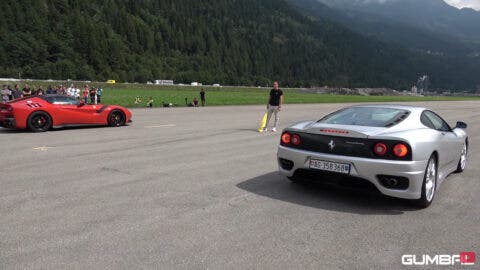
<point x="193" y="103"/>
<point x="92" y="94"/>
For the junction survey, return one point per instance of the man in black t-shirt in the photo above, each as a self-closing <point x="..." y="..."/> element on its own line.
<point x="275" y="102"/>
<point x="202" y="97"/>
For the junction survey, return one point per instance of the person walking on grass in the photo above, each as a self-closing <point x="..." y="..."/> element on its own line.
<point x="274" y="105"/>
<point x="202" y="97"/>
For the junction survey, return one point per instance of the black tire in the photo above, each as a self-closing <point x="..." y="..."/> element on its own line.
<point x="462" y="164"/>
<point x="296" y="179"/>
<point x="116" y="118"/>
<point x="39" y="122"/>
<point x="426" y="199"/>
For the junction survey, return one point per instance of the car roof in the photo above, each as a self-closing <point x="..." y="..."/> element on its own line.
<point x="392" y="106"/>
<point x="54" y="96"/>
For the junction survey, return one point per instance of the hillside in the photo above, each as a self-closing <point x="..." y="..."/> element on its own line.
<point x="246" y="42"/>
<point x="389" y="29"/>
<point x="426" y="24"/>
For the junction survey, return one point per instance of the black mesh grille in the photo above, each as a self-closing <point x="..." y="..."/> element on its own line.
<point x="354" y="147"/>
<point x="335" y="179"/>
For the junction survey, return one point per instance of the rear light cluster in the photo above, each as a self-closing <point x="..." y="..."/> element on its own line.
<point x="399" y="150"/>
<point x="380" y="149"/>
<point x="6" y="108"/>
<point x="291" y="139"/>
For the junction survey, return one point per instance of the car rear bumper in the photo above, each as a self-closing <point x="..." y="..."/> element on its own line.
<point x="8" y="123"/>
<point x="364" y="168"/>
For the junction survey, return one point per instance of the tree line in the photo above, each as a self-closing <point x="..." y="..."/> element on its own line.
<point x="241" y="42"/>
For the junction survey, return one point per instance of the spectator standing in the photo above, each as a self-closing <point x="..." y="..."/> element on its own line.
<point x="26" y="91"/>
<point x="62" y="90"/>
<point x="99" y="95"/>
<point x="71" y="91"/>
<point x="85" y="93"/>
<point x="77" y="93"/>
<point x="5" y="94"/>
<point x="10" y="97"/>
<point x="39" y="91"/>
<point x="274" y="105"/>
<point x="93" y="95"/>
<point x="202" y="97"/>
<point x="195" y="102"/>
<point x="16" y="93"/>
<point x="49" y="90"/>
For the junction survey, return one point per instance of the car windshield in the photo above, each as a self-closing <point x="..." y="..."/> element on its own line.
<point x="366" y="116"/>
<point x="61" y="100"/>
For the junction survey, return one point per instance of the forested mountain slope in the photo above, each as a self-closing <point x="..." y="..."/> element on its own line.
<point x="211" y="41"/>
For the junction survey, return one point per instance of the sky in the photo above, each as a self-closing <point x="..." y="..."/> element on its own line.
<point x="475" y="4"/>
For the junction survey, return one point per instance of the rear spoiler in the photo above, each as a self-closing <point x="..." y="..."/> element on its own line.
<point x="344" y="130"/>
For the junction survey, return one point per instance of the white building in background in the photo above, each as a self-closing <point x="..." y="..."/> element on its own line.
<point x="164" y="82"/>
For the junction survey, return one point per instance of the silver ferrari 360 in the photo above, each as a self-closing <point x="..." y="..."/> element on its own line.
<point x="404" y="151"/>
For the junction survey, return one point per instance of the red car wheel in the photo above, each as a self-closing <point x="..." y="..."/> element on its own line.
<point x="39" y="122"/>
<point x="116" y="118"/>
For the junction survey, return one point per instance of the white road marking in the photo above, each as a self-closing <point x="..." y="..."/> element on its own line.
<point x="160" y="126"/>
<point x="42" y="148"/>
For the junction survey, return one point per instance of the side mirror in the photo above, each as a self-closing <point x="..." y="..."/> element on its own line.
<point x="81" y="103"/>
<point x="461" y="125"/>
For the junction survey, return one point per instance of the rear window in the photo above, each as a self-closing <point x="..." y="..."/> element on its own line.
<point x="366" y="116"/>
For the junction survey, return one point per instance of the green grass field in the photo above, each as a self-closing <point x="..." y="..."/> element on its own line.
<point x="124" y="95"/>
<point x="246" y="96"/>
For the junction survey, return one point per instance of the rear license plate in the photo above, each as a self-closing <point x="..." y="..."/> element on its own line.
<point x="330" y="166"/>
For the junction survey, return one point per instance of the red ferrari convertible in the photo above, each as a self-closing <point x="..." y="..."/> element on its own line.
<point x="41" y="113"/>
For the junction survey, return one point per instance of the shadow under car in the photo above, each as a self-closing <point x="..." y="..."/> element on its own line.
<point x="349" y="197"/>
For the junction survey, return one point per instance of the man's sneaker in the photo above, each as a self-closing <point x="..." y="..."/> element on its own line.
<point x="274" y="129"/>
<point x="263" y="130"/>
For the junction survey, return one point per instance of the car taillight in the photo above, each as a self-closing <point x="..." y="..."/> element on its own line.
<point x="286" y="138"/>
<point x="400" y="150"/>
<point x="6" y="108"/>
<point x="380" y="149"/>
<point x="296" y="140"/>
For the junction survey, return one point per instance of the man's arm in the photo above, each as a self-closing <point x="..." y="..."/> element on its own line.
<point x="281" y="102"/>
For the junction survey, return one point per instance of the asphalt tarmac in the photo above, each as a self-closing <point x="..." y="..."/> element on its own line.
<point x="198" y="188"/>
